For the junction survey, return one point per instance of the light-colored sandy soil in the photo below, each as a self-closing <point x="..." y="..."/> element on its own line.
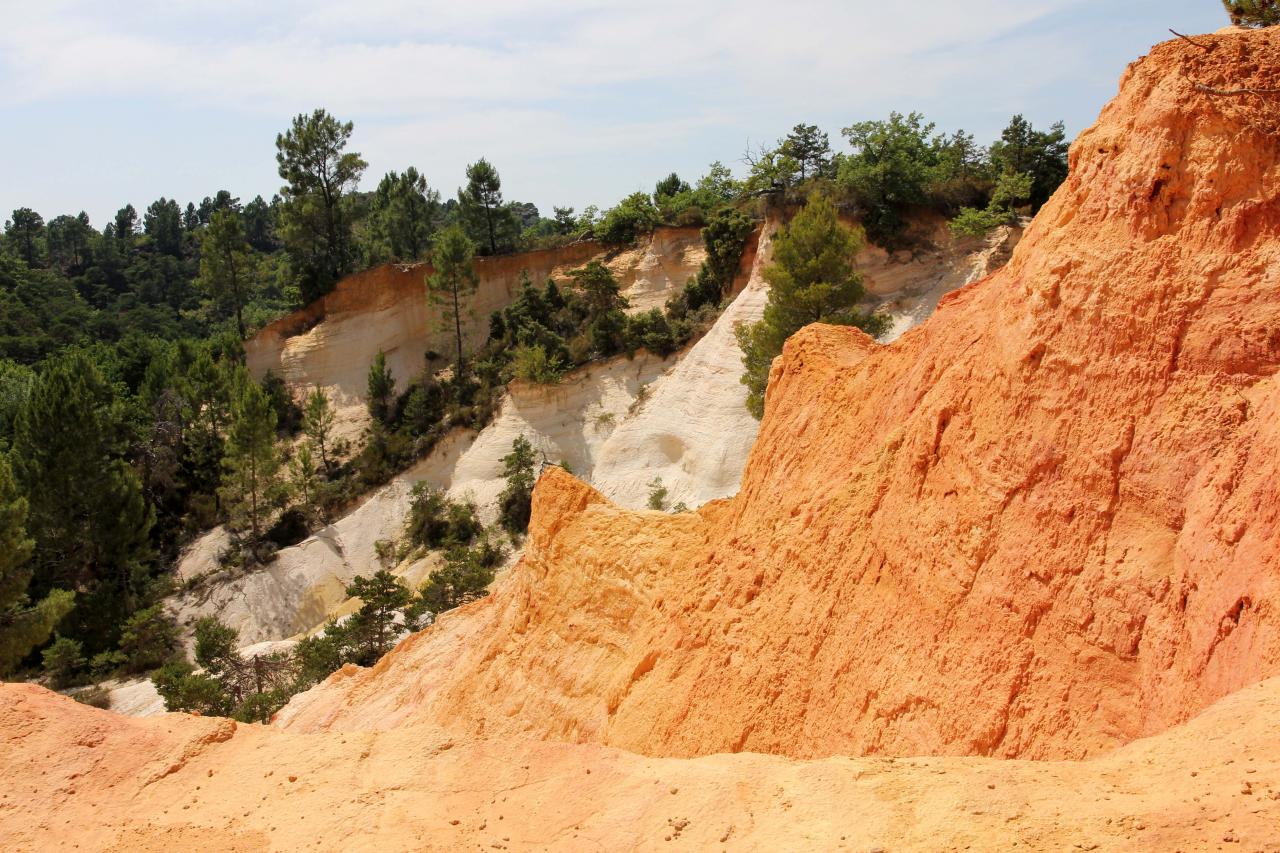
<point x="75" y="778"/>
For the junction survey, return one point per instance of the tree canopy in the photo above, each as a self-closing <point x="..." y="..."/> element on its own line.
<point x="316" y="217"/>
<point x="1253" y="13"/>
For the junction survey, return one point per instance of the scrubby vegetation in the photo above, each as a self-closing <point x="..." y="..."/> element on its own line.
<point x="252" y="689"/>
<point x="549" y="330"/>
<point x="901" y="164"/>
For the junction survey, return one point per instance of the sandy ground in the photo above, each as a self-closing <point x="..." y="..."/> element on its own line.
<point x="182" y="783"/>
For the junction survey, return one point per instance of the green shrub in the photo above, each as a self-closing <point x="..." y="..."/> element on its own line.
<point x="1011" y="190"/>
<point x="383" y="455"/>
<point x="149" y="639"/>
<point x="423" y="407"/>
<point x="811" y="280"/>
<point x="532" y="364"/>
<point x="182" y="689"/>
<point x="515" y="502"/>
<point x="631" y="217"/>
<point x="63" y="661"/>
<point x="971" y="222"/>
<point x="608" y="333"/>
<point x="317" y="657"/>
<point x="260" y="707"/>
<point x="103" y="664"/>
<point x="651" y="331"/>
<point x="465" y="576"/>
<point x="657" y="494"/>
<point x="434" y="521"/>
<point x="216" y="646"/>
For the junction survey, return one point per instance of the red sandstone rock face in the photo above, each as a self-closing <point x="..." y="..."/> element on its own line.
<point x="1042" y="524"/>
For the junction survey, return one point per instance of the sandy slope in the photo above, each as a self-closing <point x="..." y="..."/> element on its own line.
<point x="72" y="777"/>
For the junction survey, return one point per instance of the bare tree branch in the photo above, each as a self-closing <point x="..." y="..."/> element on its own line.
<point x="1191" y="40"/>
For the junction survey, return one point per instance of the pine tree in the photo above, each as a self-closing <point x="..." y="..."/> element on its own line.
<point x="207" y="387"/>
<point x="162" y="222"/>
<point x="811" y="280"/>
<point x="23" y="627"/>
<point x="224" y="263"/>
<point x="148" y="638"/>
<point x="599" y="290"/>
<point x="1253" y="13"/>
<point x="372" y="628"/>
<point x="382" y="385"/>
<point x="315" y="217"/>
<point x="454" y="279"/>
<point x="402" y="216"/>
<point x="810" y="149"/>
<point x="25" y="233"/>
<point x="317" y="423"/>
<point x="252" y="462"/>
<point x="87" y="513"/>
<point x="302" y="468"/>
<point x="481" y="202"/>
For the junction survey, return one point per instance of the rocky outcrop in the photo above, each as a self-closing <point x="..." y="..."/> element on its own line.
<point x="906" y="286"/>
<point x="1042" y="524"/>
<point x="331" y="342"/>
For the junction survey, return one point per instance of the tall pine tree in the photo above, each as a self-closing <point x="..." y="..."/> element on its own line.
<point x="252" y="489"/>
<point x="453" y="280"/>
<point x="225" y="265"/>
<point x="315" y="218"/>
<point x="22" y="625"/>
<point x="87" y="514"/>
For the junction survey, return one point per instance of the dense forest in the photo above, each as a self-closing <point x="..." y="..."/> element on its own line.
<point x="129" y="424"/>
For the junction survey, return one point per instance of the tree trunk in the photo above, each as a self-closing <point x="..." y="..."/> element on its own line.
<point x="493" y="241"/>
<point x="253" y="497"/>
<point x="235" y="293"/>
<point x="457" y="325"/>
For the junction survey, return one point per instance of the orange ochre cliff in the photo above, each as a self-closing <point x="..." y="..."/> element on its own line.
<point x="1036" y="539"/>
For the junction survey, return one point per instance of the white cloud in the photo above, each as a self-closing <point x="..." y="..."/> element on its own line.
<point x="387" y="56"/>
<point x="578" y="101"/>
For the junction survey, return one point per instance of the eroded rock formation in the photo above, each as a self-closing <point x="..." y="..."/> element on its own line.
<point x="1040" y="525"/>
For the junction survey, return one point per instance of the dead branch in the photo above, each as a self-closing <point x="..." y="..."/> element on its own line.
<point x="1191" y="40"/>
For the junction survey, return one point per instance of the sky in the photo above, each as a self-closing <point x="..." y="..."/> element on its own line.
<point x="576" y="102"/>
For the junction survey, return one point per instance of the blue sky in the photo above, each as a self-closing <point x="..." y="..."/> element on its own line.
<point x="576" y="102"/>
